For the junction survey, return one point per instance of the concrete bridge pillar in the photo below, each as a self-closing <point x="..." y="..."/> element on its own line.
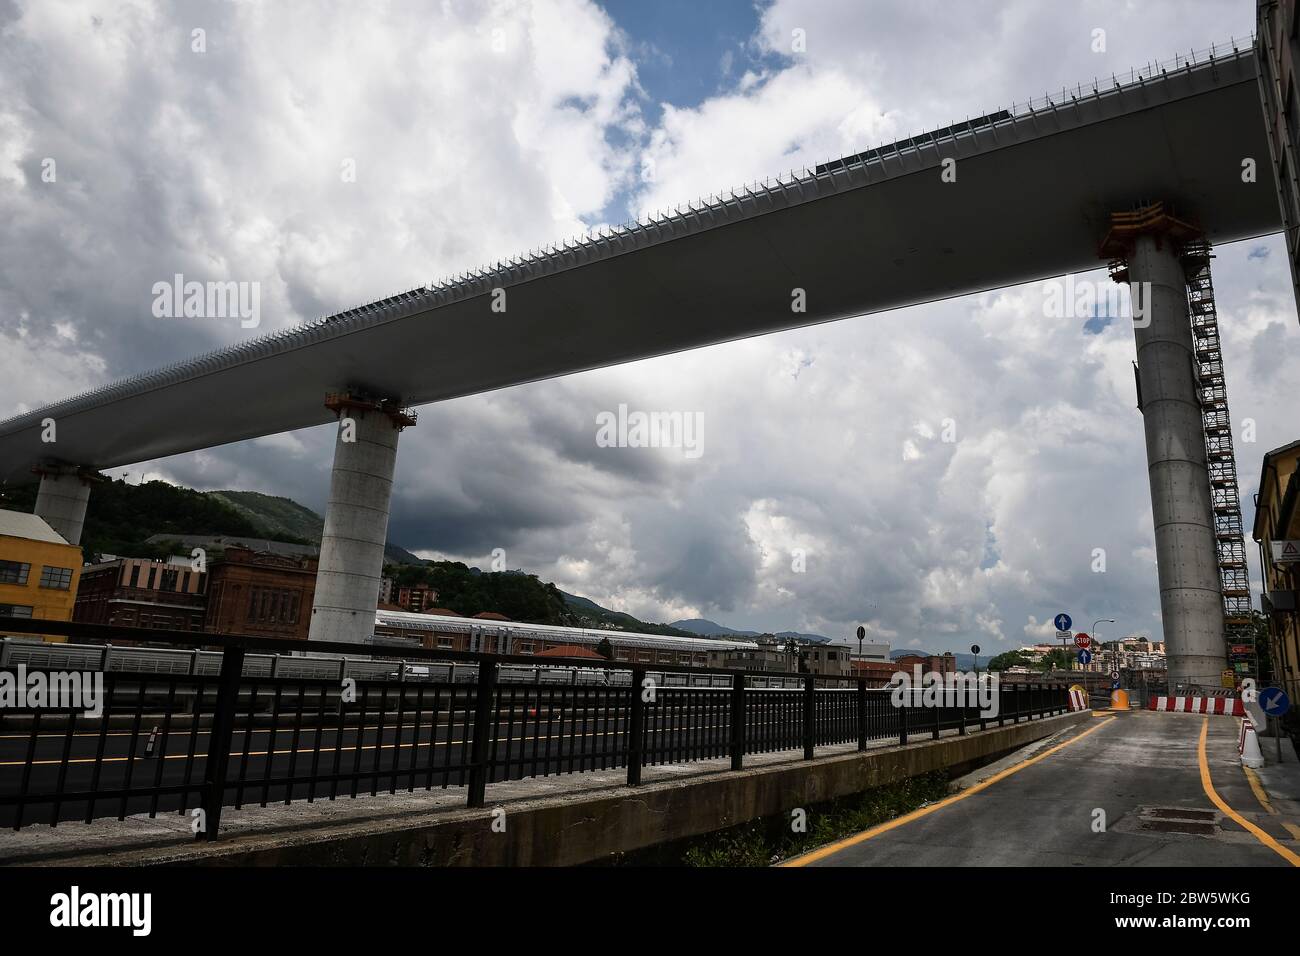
<point x="62" y="498"/>
<point x="356" y="518"/>
<point x="1191" y="600"/>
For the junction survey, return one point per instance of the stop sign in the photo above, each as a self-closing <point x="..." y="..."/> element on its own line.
<point x="1082" y="640"/>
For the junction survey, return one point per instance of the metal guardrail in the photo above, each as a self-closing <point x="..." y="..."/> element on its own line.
<point x="197" y="742"/>
<point x="195" y="661"/>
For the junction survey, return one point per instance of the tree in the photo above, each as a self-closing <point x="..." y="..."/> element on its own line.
<point x="1010" y="659"/>
<point x="1057" y="659"/>
<point x="605" y="649"/>
<point x="794" y="650"/>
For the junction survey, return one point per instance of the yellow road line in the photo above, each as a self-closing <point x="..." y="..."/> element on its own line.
<point x="1257" y="785"/>
<point x="832" y="848"/>
<point x="1208" y="785"/>
<point x="1292" y="829"/>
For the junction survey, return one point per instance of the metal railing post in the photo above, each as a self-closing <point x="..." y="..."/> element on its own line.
<point x="961" y="713"/>
<point x="738" y="721"/>
<point x="809" y="717"/>
<point x="223" y="729"/>
<point x="4" y="651"/>
<point x="862" y="713"/>
<point x="480" y="747"/>
<point x="902" y="724"/>
<point x="938" y="715"/>
<point x="636" y="729"/>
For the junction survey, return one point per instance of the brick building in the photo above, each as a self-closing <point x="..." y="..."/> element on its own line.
<point x="142" y="592"/>
<point x="262" y="594"/>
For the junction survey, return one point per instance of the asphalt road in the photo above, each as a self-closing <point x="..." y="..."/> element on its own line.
<point x="1142" y="770"/>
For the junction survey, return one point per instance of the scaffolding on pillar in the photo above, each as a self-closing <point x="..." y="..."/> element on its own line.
<point x="1220" y="456"/>
<point x="1221" y="462"/>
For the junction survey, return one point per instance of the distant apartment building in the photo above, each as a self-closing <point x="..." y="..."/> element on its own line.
<point x="416" y="598"/>
<point x="260" y="594"/>
<point x="771" y="655"/>
<point x="142" y="592"/>
<point x="39" y="571"/>
<point x="766" y="655"/>
<point x="1277" y="533"/>
<point x="1130" y="653"/>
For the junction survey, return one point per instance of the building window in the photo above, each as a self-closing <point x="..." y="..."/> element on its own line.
<point x="15" y="610"/>
<point x="14" y="572"/>
<point x="60" y="579"/>
<point x="445" y="642"/>
<point x="169" y="579"/>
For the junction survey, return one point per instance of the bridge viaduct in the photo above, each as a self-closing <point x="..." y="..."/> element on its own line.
<point x="1016" y="196"/>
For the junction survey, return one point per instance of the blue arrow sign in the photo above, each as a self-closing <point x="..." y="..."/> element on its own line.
<point x="1274" y="702"/>
<point x="1063" y="621"/>
<point x="1085" y="657"/>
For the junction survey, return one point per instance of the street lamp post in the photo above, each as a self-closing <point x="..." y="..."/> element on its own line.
<point x="1103" y="620"/>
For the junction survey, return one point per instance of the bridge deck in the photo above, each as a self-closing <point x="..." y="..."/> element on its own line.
<point x="877" y="232"/>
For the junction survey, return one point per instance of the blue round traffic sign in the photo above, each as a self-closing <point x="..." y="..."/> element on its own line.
<point x="1063" y="621"/>
<point x="1085" y="657"/>
<point x="1274" y="701"/>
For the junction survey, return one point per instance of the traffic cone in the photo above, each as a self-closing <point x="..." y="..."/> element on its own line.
<point x="1251" y="755"/>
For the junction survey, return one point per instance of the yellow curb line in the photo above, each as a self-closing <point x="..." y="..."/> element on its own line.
<point x="832" y="848"/>
<point x="1232" y="814"/>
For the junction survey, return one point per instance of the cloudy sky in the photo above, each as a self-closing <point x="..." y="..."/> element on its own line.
<point x="479" y="129"/>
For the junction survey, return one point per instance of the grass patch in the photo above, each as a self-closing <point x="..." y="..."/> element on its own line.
<point x="769" y="841"/>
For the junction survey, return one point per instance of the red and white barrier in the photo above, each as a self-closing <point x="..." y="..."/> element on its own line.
<point x="1248" y="745"/>
<point x="1230" y="706"/>
<point x="1078" y="699"/>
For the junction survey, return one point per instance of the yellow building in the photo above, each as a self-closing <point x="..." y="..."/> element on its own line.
<point x="39" y="571"/>
<point x="1277" y="532"/>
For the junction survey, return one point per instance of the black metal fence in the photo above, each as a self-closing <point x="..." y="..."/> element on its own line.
<point x="193" y="744"/>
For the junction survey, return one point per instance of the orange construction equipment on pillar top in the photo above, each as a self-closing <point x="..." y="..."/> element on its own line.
<point x="340" y="402"/>
<point x="1153" y="219"/>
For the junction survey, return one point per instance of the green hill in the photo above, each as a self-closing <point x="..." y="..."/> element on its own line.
<point x="286" y="520"/>
<point x="283" y="518"/>
<point x="591" y="614"/>
<point x="121" y="516"/>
